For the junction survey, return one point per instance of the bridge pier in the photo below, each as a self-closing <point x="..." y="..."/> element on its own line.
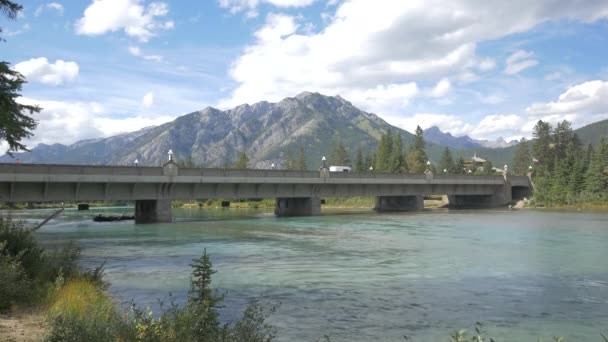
<point x="297" y="206"/>
<point x="502" y="197"/>
<point x="399" y="203"/>
<point x="153" y="211"/>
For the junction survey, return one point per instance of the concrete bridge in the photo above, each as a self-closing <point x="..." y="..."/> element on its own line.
<point x="296" y="192"/>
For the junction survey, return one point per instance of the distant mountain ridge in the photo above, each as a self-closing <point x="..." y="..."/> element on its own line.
<point x="266" y="132"/>
<point x="435" y="135"/>
<point x="211" y="137"/>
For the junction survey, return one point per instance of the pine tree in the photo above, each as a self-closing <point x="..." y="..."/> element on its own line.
<point x="541" y="148"/>
<point x="488" y="168"/>
<point x="459" y="167"/>
<point x="300" y="162"/>
<point x="383" y="152"/>
<point x="339" y="155"/>
<point x="290" y="162"/>
<point x="203" y="303"/>
<point x="15" y="121"/>
<point x="369" y="161"/>
<point x="359" y="161"/>
<point x="242" y="161"/>
<point x="416" y="158"/>
<point x="447" y="161"/>
<point x="396" y="158"/>
<point x="595" y="179"/>
<point x="522" y="159"/>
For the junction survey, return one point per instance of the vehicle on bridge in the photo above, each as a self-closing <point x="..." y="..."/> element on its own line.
<point x="340" y="169"/>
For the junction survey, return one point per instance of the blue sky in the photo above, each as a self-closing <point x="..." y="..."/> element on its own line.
<point x="485" y="69"/>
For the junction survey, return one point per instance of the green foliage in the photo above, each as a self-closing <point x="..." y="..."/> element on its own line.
<point x="300" y="162"/>
<point x="383" y="152"/>
<point x="360" y="165"/>
<point x="81" y="311"/>
<point x="14" y="282"/>
<point x="459" y="167"/>
<point x="15" y="123"/>
<point x="188" y="163"/>
<point x="242" y="161"/>
<point x="568" y="173"/>
<point x="339" y="155"/>
<point x="416" y="156"/>
<point x="27" y="271"/>
<point x="522" y="159"/>
<point x="447" y="162"/>
<point x="396" y="160"/>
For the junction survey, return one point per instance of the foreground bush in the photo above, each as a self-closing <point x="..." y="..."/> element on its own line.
<point x="83" y="312"/>
<point x="27" y="271"/>
<point x="80" y="311"/>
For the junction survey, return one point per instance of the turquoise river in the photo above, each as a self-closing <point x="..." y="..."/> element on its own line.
<point x="361" y="276"/>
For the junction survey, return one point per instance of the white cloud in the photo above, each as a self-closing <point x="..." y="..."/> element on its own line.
<point x="11" y="33"/>
<point x="553" y="76"/>
<point x="67" y="122"/>
<point x="445" y="122"/>
<point x="519" y="61"/>
<point x="137" y="21"/>
<point x="442" y="88"/>
<point x="136" y="51"/>
<point x="148" y="100"/>
<point x="250" y="6"/>
<point x="487" y="64"/>
<point x="371" y="45"/>
<point x="40" y="70"/>
<point x="487" y="127"/>
<point x="588" y="100"/>
<point x="55" y="6"/>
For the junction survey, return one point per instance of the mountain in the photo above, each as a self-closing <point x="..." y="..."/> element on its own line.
<point x="266" y="132"/>
<point x="592" y="133"/>
<point x="211" y="137"/>
<point x="500" y="142"/>
<point x="435" y="135"/>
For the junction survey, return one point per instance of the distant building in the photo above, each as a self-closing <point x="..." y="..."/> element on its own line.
<point x="474" y="163"/>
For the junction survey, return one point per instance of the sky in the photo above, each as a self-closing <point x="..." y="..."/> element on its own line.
<point x="483" y="68"/>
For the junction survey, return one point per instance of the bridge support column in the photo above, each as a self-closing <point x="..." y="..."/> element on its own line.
<point x="297" y="206"/>
<point x="502" y="197"/>
<point x="153" y="211"/>
<point x="399" y="203"/>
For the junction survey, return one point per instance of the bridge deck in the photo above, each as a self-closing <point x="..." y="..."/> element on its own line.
<point x="43" y="182"/>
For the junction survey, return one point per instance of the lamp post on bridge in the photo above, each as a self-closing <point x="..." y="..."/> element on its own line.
<point x="272" y="166"/>
<point x="170" y="153"/>
<point x="136" y="162"/>
<point x="324" y="160"/>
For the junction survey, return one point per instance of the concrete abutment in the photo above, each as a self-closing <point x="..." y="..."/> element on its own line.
<point x="399" y="203"/>
<point x="153" y="211"/>
<point x="297" y="206"/>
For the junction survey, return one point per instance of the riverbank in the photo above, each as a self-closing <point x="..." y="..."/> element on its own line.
<point x="23" y="324"/>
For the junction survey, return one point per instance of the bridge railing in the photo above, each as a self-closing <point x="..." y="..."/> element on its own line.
<point x="364" y="175"/>
<point x="80" y="169"/>
<point x="247" y="173"/>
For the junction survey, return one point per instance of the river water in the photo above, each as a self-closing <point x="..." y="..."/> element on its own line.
<point x="361" y="276"/>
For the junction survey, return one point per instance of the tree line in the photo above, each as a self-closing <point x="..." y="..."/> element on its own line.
<point x="564" y="170"/>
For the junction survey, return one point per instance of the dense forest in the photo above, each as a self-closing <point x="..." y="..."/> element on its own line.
<point x="565" y="172"/>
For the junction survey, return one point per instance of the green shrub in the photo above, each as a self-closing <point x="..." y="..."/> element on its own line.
<point x="20" y="244"/>
<point x="14" y="283"/>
